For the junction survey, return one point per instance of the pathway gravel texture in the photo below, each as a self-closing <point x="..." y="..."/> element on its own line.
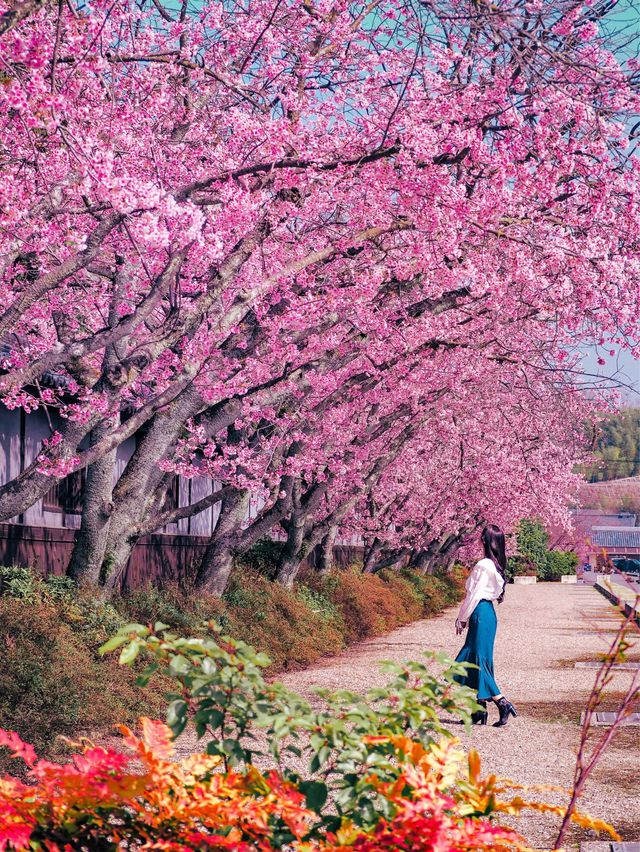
<point x="542" y="631"/>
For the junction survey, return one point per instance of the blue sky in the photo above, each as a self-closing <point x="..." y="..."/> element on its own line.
<point x="622" y="368"/>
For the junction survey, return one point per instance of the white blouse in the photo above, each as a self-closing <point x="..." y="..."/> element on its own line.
<point x="484" y="583"/>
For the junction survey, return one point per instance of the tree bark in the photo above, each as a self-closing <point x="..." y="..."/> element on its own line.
<point x="91" y="542"/>
<point x="371" y="556"/>
<point x="326" y="551"/>
<point x="292" y="551"/>
<point x="392" y="559"/>
<point x="436" y="554"/>
<point x="448" y="552"/>
<point x="424" y="562"/>
<point x="138" y="494"/>
<point x="217" y="563"/>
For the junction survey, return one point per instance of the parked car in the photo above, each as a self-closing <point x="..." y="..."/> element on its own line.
<point x="628" y="566"/>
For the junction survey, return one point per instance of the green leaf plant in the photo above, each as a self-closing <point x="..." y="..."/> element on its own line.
<point x="346" y="740"/>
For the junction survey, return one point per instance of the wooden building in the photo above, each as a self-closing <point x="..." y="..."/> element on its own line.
<point x="43" y="535"/>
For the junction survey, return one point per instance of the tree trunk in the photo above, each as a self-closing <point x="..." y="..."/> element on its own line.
<point x="426" y="558"/>
<point x="420" y="561"/>
<point x="217" y="563"/>
<point x="138" y="495"/>
<point x="437" y="553"/>
<point x="371" y="556"/>
<point x="393" y="559"/>
<point x="91" y="542"/>
<point x="292" y="552"/>
<point x="397" y="559"/>
<point x="448" y="552"/>
<point x="326" y="551"/>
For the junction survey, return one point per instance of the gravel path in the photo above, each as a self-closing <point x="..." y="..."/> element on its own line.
<point x="542" y="631"/>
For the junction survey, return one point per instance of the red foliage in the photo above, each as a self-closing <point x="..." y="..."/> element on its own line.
<point x="145" y="800"/>
<point x="102" y="796"/>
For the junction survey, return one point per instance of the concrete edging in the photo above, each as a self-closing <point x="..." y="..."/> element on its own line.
<point x="525" y="581"/>
<point x="618" y="600"/>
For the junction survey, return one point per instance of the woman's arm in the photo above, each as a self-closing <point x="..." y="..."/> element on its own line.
<point x="471" y="598"/>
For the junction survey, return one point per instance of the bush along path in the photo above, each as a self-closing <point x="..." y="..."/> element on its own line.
<point x="53" y="681"/>
<point x="543" y="630"/>
<point x="377" y="772"/>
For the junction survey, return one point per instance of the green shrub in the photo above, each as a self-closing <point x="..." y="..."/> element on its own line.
<point x="18" y="582"/>
<point x="534" y="558"/>
<point x="294" y="631"/>
<point x="532" y="540"/>
<point x="320" y="604"/>
<point x="366" y="602"/>
<point x="405" y="593"/>
<point x="96" y="618"/>
<point x="222" y="689"/>
<point x="437" y="591"/>
<point x="170" y="604"/>
<point x="53" y="683"/>
<point x="456" y="578"/>
<point x="52" y="680"/>
<point x="44" y="670"/>
<point x="263" y="558"/>
<point x="558" y="564"/>
<point x="520" y="566"/>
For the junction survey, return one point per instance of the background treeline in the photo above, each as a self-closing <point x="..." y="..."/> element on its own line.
<point x="617" y="447"/>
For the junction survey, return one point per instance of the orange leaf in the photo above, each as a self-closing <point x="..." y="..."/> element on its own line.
<point x="158" y="738"/>
<point x="585" y="821"/>
<point x="474" y="765"/>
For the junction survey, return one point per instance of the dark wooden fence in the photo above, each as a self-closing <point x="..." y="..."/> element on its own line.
<point x="156" y="559"/>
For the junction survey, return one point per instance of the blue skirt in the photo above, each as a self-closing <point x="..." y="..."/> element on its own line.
<point x="478" y="649"/>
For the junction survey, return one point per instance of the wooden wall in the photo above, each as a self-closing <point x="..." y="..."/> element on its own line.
<point x="44" y="539"/>
<point x="156" y="559"/>
<point x="20" y="441"/>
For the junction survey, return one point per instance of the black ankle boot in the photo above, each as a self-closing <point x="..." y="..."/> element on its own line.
<point x="506" y="709"/>
<point x="480" y="716"/>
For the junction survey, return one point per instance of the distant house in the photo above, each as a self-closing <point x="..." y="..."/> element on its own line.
<point x="619" y="542"/>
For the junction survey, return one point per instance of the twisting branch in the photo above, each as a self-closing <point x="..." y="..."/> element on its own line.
<point x="586" y="762"/>
<point x="17" y="13"/>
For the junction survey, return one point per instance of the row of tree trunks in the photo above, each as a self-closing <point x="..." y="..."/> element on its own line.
<point x="225" y="546"/>
<point x="114" y="518"/>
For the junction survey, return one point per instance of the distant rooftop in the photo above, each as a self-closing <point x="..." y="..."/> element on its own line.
<point x="612" y="538"/>
<point x="597" y="517"/>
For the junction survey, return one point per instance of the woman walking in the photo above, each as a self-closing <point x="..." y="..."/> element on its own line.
<point x="485" y="584"/>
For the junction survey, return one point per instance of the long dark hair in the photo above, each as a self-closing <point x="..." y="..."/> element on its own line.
<point x="494" y="548"/>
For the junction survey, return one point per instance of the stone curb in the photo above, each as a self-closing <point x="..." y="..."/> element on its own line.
<point x="624" y="601"/>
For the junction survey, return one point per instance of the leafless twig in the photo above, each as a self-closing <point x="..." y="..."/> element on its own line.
<point x="587" y="760"/>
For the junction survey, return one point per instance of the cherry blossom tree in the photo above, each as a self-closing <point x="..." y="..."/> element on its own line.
<point x="335" y="255"/>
